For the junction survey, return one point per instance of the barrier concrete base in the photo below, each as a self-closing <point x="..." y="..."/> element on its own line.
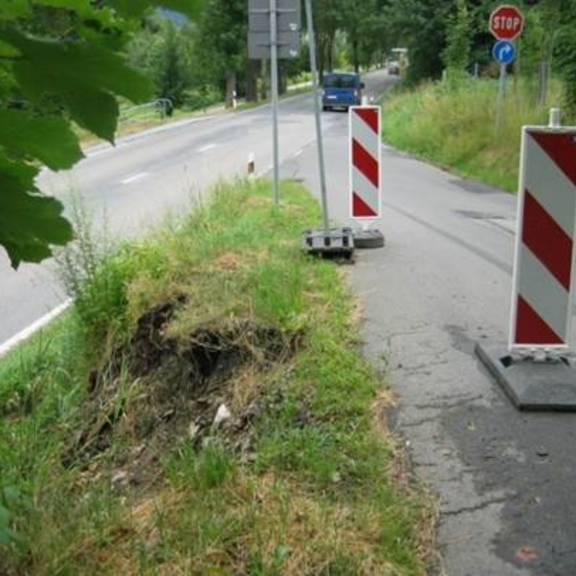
<point x="532" y="386"/>
<point x="335" y="243"/>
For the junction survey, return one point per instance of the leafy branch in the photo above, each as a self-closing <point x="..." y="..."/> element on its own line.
<point x="83" y="72"/>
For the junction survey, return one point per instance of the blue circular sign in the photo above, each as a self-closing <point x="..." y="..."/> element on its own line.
<point x="504" y="52"/>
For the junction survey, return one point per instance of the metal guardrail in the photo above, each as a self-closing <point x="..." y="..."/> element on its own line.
<point x="162" y="106"/>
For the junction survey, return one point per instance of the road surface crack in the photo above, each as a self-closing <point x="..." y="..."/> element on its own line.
<point x="477" y="508"/>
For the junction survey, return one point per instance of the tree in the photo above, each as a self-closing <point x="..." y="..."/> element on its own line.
<point x="364" y="29"/>
<point x="159" y="51"/>
<point x="420" y="25"/>
<point x="560" y="15"/>
<point x="222" y="33"/>
<point x="61" y="64"/>
<point x="456" y="55"/>
<point x="327" y="16"/>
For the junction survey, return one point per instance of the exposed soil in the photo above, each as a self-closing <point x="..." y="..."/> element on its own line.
<point x="158" y="391"/>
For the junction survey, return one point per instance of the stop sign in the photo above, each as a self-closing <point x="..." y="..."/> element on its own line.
<point x="506" y="22"/>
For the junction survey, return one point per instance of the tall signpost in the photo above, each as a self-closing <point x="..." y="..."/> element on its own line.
<point x="326" y="241"/>
<point x="317" y="108"/>
<point x="274" y="33"/>
<point x="506" y="24"/>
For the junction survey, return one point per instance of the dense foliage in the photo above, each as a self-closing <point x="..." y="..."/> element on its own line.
<point x="454" y="34"/>
<point x="61" y="63"/>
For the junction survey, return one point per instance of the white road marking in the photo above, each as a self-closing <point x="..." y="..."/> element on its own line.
<point x="33" y="328"/>
<point x="135" y="178"/>
<point x="206" y="148"/>
<point x="299" y="153"/>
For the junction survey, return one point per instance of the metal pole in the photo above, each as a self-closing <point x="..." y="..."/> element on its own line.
<point x="274" y="87"/>
<point x="317" y="108"/>
<point x="501" y="97"/>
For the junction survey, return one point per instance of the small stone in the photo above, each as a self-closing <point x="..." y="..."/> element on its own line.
<point x="120" y="478"/>
<point x="137" y="450"/>
<point x="542" y="452"/>
<point x="193" y="430"/>
<point x="222" y="415"/>
<point x="336" y="477"/>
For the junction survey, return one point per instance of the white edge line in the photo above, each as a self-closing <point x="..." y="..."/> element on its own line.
<point x="206" y="148"/>
<point x="33" y="328"/>
<point x="134" y="178"/>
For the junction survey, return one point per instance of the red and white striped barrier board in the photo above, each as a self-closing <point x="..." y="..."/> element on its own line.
<point x="365" y="169"/>
<point x="544" y="270"/>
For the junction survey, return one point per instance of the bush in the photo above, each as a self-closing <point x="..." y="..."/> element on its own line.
<point x="453" y="123"/>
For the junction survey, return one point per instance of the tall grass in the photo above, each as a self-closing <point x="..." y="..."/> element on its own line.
<point x="453" y="124"/>
<point x="315" y="497"/>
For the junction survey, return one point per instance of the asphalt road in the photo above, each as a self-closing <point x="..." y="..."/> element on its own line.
<point x="505" y="480"/>
<point x="146" y="177"/>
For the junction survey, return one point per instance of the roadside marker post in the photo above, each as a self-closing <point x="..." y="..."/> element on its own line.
<point x="537" y="369"/>
<point x="251" y="166"/>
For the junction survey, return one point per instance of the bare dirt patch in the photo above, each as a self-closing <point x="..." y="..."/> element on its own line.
<point x="158" y="390"/>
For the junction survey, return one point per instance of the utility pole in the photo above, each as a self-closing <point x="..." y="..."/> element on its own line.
<point x="274" y="86"/>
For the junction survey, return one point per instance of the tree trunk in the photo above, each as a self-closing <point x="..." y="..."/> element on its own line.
<point x="330" y="51"/>
<point x="356" y="56"/>
<point x="251" y="81"/>
<point x="264" y="85"/>
<point x="282" y="79"/>
<point x="230" y="88"/>
<point x="321" y="51"/>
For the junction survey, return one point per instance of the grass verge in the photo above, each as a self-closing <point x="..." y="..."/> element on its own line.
<point x="117" y="455"/>
<point x="453" y="125"/>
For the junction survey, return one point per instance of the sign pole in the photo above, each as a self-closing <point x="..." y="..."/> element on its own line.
<point x="274" y="87"/>
<point x="501" y="97"/>
<point x="317" y="109"/>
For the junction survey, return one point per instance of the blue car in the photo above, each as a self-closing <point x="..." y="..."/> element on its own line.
<point x="341" y="90"/>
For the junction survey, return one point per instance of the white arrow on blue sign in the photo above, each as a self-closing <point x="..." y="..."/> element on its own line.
<point x="504" y="52"/>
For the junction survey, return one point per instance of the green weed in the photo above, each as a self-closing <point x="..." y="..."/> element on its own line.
<point x="453" y="123"/>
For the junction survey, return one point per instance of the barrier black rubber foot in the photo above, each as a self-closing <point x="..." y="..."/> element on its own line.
<point x="368" y="239"/>
<point x="532" y="386"/>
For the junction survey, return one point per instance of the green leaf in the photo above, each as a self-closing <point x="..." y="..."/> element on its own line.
<point x="94" y="110"/>
<point x="29" y="222"/>
<point x="83" y="75"/>
<point x="84" y="8"/>
<point x="47" y="139"/>
<point x="191" y="8"/>
<point x="14" y="9"/>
